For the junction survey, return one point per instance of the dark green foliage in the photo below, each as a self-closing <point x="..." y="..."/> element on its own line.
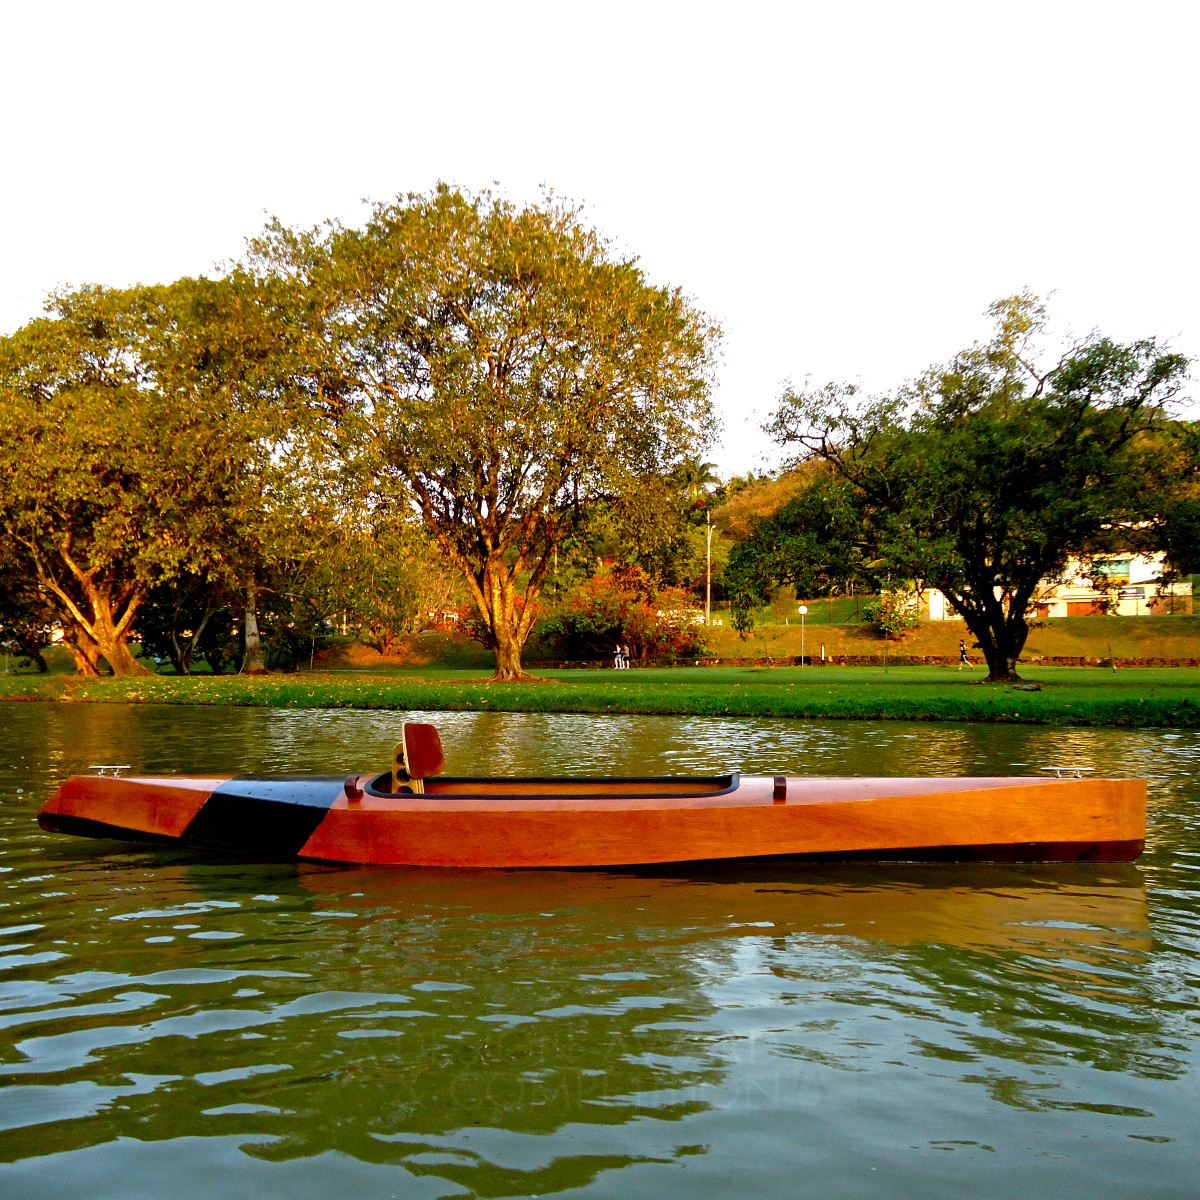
<point x="651" y="528"/>
<point x="201" y="618"/>
<point x="1181" y="534"/>
<point x="985" y="476"/>
<point x="191" y="617"/>
<point x="816" y="543"/>
<point x="1177" y="528"/>
<point x="26" y="614"/>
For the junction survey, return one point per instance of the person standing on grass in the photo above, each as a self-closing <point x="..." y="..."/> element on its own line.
<point x="625" y="655"/>
<point x="618" y="657"/>
<point x="963" y="660"/>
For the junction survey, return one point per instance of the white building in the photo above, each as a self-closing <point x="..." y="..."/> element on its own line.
<point x="1126" y="584"/>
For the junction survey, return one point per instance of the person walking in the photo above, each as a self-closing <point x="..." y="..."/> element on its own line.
<point x="618" y="657"/>
<point x="963" y="660"/>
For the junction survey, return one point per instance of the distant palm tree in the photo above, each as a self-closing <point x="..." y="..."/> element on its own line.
<point x="694" y="478"/>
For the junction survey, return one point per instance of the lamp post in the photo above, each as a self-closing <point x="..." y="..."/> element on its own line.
<point x="707" y="569"/>
<point x="803" y="614"/>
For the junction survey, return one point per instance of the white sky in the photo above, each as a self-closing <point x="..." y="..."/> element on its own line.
<point x="844" y="186"/>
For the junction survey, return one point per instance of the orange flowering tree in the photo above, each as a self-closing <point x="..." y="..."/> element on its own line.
<point x="623" y="605"/>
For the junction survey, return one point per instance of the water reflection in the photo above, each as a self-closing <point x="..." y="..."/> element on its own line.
<point x="212" y="1027"/>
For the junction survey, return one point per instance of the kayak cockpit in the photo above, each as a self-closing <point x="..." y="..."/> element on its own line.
<point x="418" y="759"/>
<point x="559" y="788"/>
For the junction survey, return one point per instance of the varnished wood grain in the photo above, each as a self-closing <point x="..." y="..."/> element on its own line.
<point x="153" y="806"/>
<point x="818" y="817"/>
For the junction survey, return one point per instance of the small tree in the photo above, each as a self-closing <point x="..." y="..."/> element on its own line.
<point x="892" y="615"/>
<point x="814" y="544"/>
<point x="188" y="617"/>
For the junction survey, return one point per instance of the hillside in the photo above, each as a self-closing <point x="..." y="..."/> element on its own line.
<point x="1164" y="637"/>
<point x="736" y="517"/>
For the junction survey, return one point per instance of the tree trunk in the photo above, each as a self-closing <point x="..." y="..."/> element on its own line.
<point x="999" y="630"/>
<point x="180" y="655"/>
<point x="94" y="630"/>
<point x="508" y="627"/>
<point x="1001" y="645"/>
<point x="254" y="664"/>
<point x="84" y="651"/>
<point x="121" y="659"/>
<point x="183" y="653"/>
<point x="112" y="637"/>
<point x="181" y="659"/>
<point x="508" y="658"/>
<point x="97" y="613"/>
<point x="28" y="644"/>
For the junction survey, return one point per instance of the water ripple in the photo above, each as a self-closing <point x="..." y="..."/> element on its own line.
<point x="205" y="1028"/>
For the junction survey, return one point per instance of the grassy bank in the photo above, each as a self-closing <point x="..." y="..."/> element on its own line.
<point x="1162" y="637"/>
<point x="1071" y="696"/>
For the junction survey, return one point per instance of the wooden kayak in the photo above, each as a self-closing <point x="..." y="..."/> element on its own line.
<point x="413" y="816"/>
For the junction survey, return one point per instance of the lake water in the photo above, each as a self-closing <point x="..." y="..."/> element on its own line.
<point x="173" y="1026"/>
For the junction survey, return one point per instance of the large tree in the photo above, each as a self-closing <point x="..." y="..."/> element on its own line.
<point x="129" y="453"/>
<point x="989" y="472"/>
<point x="503" y="366"/>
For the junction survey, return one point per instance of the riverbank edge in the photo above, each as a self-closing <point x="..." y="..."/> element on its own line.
<point x="1131" y="706"/>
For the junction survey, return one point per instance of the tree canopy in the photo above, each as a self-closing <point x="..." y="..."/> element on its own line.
<point x="129" y="450"/>
<point x="500" y="368"/>
<point x="989" y="472"/>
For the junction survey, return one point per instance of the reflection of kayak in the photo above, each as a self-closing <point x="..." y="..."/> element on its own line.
<point x="1063" y="912"/>
<point x="415" y="816"/>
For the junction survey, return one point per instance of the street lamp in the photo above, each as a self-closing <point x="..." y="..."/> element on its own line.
<point x="803" y="614"/>
<point x="707" y="569"/>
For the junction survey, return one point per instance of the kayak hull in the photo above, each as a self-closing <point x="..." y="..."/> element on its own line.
<point x="554" y="823"/>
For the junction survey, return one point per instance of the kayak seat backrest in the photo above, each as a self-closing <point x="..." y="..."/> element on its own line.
<point x="417" y="756"/>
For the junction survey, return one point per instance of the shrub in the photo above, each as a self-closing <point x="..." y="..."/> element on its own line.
<point x="624" y="605"/>
<point x="892" y="615"/>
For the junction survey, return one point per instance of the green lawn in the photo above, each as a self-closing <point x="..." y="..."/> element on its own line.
<point x="1076" y="696"/>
